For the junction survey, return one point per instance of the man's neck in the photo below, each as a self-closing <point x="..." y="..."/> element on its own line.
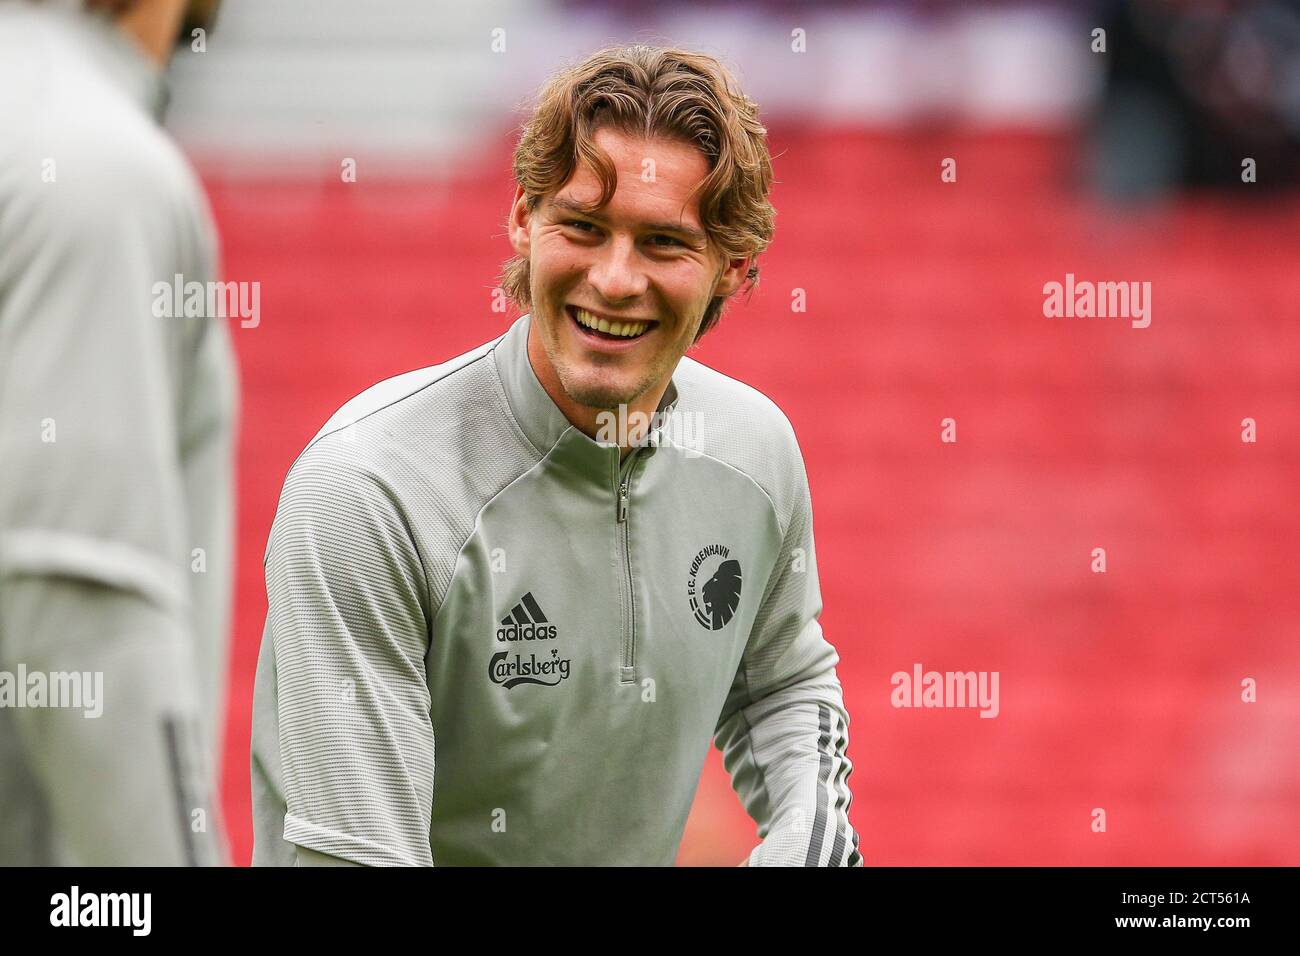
<point x="153" y="26"/>
<point x="628" y="428"/>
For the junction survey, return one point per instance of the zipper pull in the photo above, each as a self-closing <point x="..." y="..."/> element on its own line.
<point x="622" y="501"/>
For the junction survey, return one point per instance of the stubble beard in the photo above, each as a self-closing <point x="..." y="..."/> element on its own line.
<point x="585" y="388"/>
<point x="596" y="394"/>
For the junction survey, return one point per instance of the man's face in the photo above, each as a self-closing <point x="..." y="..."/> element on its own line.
<point x="642" y="258"/>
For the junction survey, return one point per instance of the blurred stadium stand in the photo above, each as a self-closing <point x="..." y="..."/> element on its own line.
<point x="292" y="85"/>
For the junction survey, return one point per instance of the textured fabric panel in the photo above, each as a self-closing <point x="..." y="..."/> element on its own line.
<point x="736" y="423"/>
<point x="442" y="449"/>
<point x="783" y="731"/>
<point x="347" y="626"/>
<point x="371" y="520"/>
<point x="787" y="757"/>
<point x="787" y="639"/>
<point x="450" y="450"/>
<point x="342" y="846"/>
<point x="788" y="635"/>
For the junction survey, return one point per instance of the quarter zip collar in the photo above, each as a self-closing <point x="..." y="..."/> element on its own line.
<point x="545" y="426"/>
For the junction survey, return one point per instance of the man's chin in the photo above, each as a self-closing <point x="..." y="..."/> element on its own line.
<point x="601" y="398"/>
<point x="598" y="394"/>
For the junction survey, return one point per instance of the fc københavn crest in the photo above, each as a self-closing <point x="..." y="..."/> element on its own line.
<point x="714" y="587"/>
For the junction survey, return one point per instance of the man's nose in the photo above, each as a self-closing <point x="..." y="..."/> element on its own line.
<point x="617" y="274"/>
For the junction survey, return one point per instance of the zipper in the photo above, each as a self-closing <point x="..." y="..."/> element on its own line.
<point x="629" y="603"/>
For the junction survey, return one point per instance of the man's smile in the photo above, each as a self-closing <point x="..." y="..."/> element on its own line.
<point x="606" y="333"/>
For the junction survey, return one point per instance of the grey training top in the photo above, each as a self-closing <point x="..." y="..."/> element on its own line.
<point x="116" y="480"/>
<point x="489" y="642"/>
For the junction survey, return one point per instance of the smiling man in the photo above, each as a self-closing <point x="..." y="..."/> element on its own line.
<point x="495" y="637"/>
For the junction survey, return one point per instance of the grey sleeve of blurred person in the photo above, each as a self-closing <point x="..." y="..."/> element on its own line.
<point x="783" y="731"/>
<point x="115" y="504"/>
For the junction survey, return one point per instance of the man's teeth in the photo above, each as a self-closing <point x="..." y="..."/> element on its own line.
<point x="626" y="329"/>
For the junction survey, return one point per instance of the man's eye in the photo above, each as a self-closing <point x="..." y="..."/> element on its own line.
<point x="668" y="239"/>
<point x="580" y="224"/>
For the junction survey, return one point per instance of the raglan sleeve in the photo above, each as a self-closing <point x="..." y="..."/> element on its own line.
<point x="342" y="725"/>
<point x="783" y="731"/>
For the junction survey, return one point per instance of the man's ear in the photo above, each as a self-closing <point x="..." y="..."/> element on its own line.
<point x="517" y="224"/>
<point x="732" y="276"/>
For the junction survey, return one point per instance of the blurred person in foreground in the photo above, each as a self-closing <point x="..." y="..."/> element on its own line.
<point x="513" y="597"/>
<point x="115" y="438"/>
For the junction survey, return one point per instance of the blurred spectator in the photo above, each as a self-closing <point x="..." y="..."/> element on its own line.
<point x="1193" y="91"/>
<point x="115" y="433"/>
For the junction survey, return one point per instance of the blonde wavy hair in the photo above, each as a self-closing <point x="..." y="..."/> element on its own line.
<point x="652" y="91"/>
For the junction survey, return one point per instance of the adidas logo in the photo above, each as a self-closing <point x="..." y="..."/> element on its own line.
<point x="526" y="622"/>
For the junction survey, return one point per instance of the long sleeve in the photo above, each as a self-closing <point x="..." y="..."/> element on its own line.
<point x="783" y="731"/>
<point x="98" y="519"/>
<point x="341" y="711"/>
